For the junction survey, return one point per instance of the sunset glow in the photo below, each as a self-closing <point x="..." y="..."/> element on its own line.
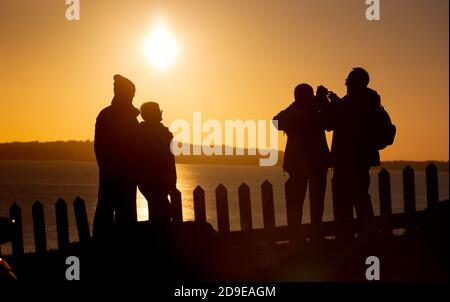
<point x="161" y="48"/>
<point x="225" y="60"/>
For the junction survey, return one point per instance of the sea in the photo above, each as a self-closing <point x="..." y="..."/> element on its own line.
<point x="24" y="182"/>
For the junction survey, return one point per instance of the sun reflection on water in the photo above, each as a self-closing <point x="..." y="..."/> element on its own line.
<point x="186" y="183"/>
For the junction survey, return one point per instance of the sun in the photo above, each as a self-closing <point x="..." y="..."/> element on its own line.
<point x="161" y="47"/>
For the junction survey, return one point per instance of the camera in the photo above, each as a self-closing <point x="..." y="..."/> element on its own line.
<point x="322" y="91"/>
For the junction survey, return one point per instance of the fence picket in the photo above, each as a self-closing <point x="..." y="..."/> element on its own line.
<point x="175" y="199"/>
<point x="81" y="219"/>
<point x="409" y="197"/>
<point x="268" y="205"/>
<point x="245" y="208"/>
<point x="15" y="213"/>
<point x="199" y="205"/>
<point x="40" y="238"/>
<point x="432" y="185"/>
<point x="384" y="188"/>
<point x="62" y="224"/>
<point x="223" y="219"/>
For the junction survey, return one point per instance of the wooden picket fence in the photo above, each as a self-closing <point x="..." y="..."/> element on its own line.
<point x="385" y="223"/>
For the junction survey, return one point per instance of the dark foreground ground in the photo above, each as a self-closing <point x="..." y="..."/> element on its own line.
<point x="195" y="252"/>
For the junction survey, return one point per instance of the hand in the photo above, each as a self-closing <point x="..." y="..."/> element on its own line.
<point x="321" y="91"/>
<point x="333" y="97"/>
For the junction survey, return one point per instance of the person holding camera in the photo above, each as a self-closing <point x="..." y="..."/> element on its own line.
<point x="306" y="157"/>
<point x="353" y="150"/>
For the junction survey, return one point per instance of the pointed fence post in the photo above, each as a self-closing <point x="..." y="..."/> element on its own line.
<point x="15" y="213"/>
<point x="432" y="185"/>
<point x="62" y="224"/>
<point x="81" y="219"/>
<point x="223" y="217"/>
<point x="409" y="197"/>
<point x="177" y="208"/>
<point x="245" y="208"/>
<point x="384" y="189"/>
<point x="40" y="238"/>
<point x="268" y="205"/>
<point x="199" y="205"/>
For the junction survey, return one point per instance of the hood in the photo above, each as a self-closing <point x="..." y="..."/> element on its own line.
<point x="127" y="108"/>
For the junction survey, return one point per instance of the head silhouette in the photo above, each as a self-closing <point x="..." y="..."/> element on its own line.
<point x="357" y="80"/>
<point x="124" y="89"/>
<point x="304" y="94"/>
<point x="151" y="113"/>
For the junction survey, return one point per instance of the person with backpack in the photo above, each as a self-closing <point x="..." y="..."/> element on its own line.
<point x="156" y="172"/>
<point x="306" y="157"/>
<point x="361" y="128"/>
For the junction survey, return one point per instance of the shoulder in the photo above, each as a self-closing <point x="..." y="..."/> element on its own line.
<point x="291" y="107"/>
<point x="104" y="114"/>
<point x="105" y="111"/>
<point x="345" y="98"/>
<point x="373" y="97"/>
<point x="167" y="131"/>
<point x="283" y="112"/>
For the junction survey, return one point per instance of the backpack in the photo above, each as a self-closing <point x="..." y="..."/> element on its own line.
<point x="384" y="129"/>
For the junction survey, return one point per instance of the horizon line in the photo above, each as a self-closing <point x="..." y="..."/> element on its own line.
<point x="246" y="148"/>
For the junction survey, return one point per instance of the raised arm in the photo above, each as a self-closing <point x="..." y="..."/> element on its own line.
<point x="281" y="120"/>
<point x="327" y="102"/>
<point x="290" y="118"/>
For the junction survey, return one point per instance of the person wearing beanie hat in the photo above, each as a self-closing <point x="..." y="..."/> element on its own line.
<point x="124" y="89"/>
<point x="115" y="131"/>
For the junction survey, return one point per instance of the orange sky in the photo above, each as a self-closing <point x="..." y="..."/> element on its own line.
<point x="237" y="60"/>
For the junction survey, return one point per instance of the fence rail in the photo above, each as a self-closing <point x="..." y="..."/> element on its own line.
<point x="385" y="223"/>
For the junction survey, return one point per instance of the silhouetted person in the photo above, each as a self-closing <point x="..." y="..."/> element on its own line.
<point x="306" y="157"/>
<point x="115" y="130"/>
<point x="156" y="164"/>
<point x="353" y="149"/>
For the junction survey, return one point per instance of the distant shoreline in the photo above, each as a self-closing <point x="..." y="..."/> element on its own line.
<point x="83" y="151"/>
